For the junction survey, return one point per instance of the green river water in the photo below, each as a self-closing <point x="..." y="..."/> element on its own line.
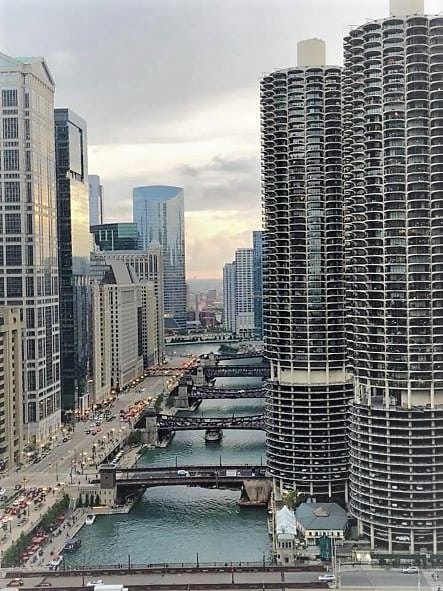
<point x="174" y="524"/>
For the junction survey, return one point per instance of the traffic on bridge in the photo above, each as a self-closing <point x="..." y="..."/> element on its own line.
<point x="209" y="393"/>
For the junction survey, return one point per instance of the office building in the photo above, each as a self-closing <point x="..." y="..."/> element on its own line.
<point x="244" y="298"/>
<point x="117" y="236"/>
<point x="393" y="205"/>
<point x="73" y="257"/>
<point x="229" y="297"/>
<point x="148" y="267"/>
<point x="95" y="200"/>
<point x="11" y="387"/>
<point x="257" y="264"/>
<point x="117" y="312"/>
<point x="28" y="262"/>
<point x="158" y="212"/>
<point x="303" y="283"/>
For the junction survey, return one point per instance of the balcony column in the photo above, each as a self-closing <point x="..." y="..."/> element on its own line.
<point x="412" y="545"/>
<point x="389" y="539"/>
<point x="371" y="535"/>
<point x="434" y="541"/>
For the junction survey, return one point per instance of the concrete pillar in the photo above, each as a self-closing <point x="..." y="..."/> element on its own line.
<point x="412" y="545"/>
<point x="371" y="534"/>
<point x="434" y="541"/>
<point x="182" y="400"/>
<point x="389" y="540"/>
<point x="150" y="434"/>
<point x="200" y="379"/>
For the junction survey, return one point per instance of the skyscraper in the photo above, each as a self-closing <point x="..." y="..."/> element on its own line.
<point x="303" y="282"/>
<point x="393" y="201"/>
<point x="257" y="264"/>
<point x="229" y="297"/>
<point x="95" y="200"/>
<point x="73" y="256"/>
<point x="28" y="262"/>
<point x="158" y="212"/>
<point x="244" y="298"/>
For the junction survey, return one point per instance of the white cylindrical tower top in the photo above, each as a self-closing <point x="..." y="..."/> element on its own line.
<point x="406" y="7"/>
<point x="311" y="52"/>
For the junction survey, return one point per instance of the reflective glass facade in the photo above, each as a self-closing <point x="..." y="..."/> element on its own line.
<point x="73" y="251"/>
<point x="158" y="212"/>
<point x="28" y="233"/>
<point x="303" y="281"/>
<point x="393" y="172"/>
<point x="118" y="236"/>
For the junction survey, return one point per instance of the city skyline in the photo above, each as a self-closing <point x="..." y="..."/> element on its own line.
<point x="205" y="137"/>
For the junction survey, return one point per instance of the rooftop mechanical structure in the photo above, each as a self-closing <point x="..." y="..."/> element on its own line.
<point x="303" y="278"/>
<point x="393" y="181"/>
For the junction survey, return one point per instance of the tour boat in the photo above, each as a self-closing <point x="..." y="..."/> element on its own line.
<point x="213" y="435"/>
<point x="55" y="562"/>
<point x="90" y="518"/>
<point x="72" y="544"/>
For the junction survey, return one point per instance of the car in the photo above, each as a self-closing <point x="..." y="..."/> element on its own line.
<point x="327" y="578"/>
<point x="402" y="538"/>
<point x="17" y="487"/>
<point x="410" y="570"/>
<point x="94" y="583"/>
<point x="182" y="473"/>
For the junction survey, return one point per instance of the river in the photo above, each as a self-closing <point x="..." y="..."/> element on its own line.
<point x="174" y="524"/>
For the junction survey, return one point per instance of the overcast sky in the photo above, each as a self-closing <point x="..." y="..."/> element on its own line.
<point x="169" y="89"/>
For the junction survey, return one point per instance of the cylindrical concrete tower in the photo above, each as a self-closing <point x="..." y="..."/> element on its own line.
<point x="303" y="281"/>
<point x="393" y="180"/>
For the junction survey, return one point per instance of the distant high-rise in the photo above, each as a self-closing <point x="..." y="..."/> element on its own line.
<point x="95" y="200"/>
<point x="229" y="297"/>
<point x="116" y="236"/>
<point x="158" y="212"/>
<point x="73" y="256"/>
<point x="392" y="98"/>
<point x="244" y="300"/>
<point x="28" y="263"/>
<point x="257" y="263"/>
<point x="303" y="281"/>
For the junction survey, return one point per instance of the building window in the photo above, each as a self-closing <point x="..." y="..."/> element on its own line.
<point x="10" y="160"/>
<point x="10" y="128"/>
<point x="13" y="255"/>
<point x="12" y="223"/>
<point x="9" y="98"/>
<point x="14" y="287"/>
<point x="12" y="191"/>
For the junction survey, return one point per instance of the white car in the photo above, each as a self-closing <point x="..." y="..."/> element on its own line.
<point x="327" y="578"/>
<point x="410" y="570"/>
<point x="94" y="583"/>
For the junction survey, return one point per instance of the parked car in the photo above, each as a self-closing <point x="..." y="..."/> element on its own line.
<point x="410" y="570"/>
<point x="327" y="578"/>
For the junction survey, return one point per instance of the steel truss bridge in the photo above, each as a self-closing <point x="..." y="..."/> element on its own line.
<point x="175" y="423"/>
<point x="208" y="393"/>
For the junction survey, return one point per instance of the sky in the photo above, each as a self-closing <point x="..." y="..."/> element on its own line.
<point x="170" y="93"/>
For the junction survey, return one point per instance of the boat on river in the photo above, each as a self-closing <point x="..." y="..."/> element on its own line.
<point x="72" y="544"/>
<point x="213" y="435"/>
<point x="90" y="518"/>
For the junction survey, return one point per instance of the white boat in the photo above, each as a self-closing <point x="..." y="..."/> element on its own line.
<point x="90" y="518"/>
<point x="213" y="435"/>
<point x="55" y="563"/>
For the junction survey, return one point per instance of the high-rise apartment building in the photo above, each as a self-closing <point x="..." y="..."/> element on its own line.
<point x="117" y="315"/>
<point x="158" y="212"/>
<point x="229" y="297"/>
<point x="393" y="154"/>
<point x="28" y="261"/>
<point x="116" y="236"/>
<point x="257" y="264"/>
<point x="303" y="282"/>
<point x="11" y="387"/>
<point x="244" y="297"/>
<point x="73" y="256"/>
<point x="148" y="267"/>
<point x="95" y="200"/>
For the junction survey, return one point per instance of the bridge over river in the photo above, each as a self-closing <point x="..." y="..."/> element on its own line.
<point x="209" y="393"/>
<point x="175" y="423"/>
<point x="251" y="480"/>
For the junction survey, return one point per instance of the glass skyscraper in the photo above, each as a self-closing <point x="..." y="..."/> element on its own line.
<point x="158" y="212"/>
<point x="73" y="255"/>
<point x="28" y="235"/>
